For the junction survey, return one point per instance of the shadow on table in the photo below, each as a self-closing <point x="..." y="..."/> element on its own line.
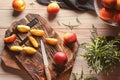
<point x="20" y="73"/>
<point x="16" y="13"/>
<point x="115" y="75"/>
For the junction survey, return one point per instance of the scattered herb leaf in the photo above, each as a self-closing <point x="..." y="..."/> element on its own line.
<point x="32" y="3"/>
<point x="81" y="77"/>
<point x="94" y="32"/>
<point x="77" y="19"/>
<point x="75" y="75"/>
<point x="58" y="22"/>
<point x="70" y="26"/>
<point x="90" y="78"/>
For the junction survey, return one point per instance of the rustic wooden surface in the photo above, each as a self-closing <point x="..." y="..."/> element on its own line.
<point x="33" y="65"/>
<point x="87" y="18"/>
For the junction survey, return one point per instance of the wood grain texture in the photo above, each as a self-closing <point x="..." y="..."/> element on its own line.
<point x="87" y="18"/>
<point x="34" y="64"/>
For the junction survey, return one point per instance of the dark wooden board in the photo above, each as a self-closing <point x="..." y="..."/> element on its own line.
<point x="33" y="65"/>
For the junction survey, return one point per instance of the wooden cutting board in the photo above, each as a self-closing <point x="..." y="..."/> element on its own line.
<point x="33" y="65"/>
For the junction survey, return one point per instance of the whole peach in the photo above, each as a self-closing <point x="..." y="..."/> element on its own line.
<point x="106" y="14"/>
<point x="109" y="3"/>
<point x="70" y="38"/>
<point x="117" y="18"/>
<point x="60" y="58"/>
<point x="118" y="4"/>
<point x="18" y="5"/>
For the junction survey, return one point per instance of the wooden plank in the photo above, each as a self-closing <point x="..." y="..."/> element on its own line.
<point x="30" y="4"/>
<point x="63" y="17"/>
<point x="11" y="77"/>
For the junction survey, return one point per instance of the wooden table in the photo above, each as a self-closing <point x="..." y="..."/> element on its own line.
<point x="86" y="18"/>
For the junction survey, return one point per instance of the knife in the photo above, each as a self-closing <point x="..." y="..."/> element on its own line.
<point x="45" y="60"/>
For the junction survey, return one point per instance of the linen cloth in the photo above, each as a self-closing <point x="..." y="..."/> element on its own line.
<point x="72" y="4"/>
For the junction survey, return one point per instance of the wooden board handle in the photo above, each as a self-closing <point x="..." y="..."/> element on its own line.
<point x="47" y="72"/>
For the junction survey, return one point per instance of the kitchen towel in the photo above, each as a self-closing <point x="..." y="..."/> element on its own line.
<point x="72" y="4"/>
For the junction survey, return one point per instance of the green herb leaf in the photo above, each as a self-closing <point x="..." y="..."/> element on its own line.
<point x="102" y="54"/>
<point x="81" y="74"/>
<point x="70" y="26"/>
<point x="77" y="19"/>
<point x="58" y="22"/>
<point x="74" y="76"/>
<point x="94" y="32"/>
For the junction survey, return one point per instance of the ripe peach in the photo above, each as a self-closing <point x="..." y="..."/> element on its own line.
<point x="60" y="58"/>
<point x="109" y="3"/>
<point x="69" y="38"/>
<point x="117" y="18"/>
<point x="118" y="4"/>
<point x="53" y="8"/>
<point x="106" y="14"/>
<point x="18" y="5"/>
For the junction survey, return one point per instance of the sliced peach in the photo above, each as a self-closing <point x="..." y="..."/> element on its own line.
<point x="51" y="41"/>
<point x="10" y="38"/>
<point x="33" y="41"/>
<point x="29" y="50"/>
<point x="37" y="32"/>
<point x="16" y="48"/>
<point x="23" y="28"/>
<point x="106" y="14"/>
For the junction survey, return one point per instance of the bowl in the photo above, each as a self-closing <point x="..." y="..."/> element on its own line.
<point x="98" y="5"/>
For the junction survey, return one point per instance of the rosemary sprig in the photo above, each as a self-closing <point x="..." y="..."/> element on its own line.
<point x="94" y="32"/>
<point x="102" y="54"/>
<point x="70" y="26"/>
